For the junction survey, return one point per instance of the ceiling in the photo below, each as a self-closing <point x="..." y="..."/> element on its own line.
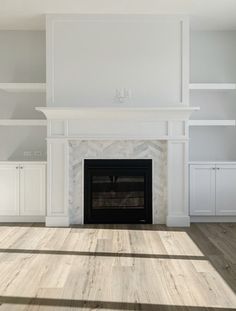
<point x="204" y="14"/>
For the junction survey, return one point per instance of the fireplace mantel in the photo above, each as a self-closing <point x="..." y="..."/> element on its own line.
<point x="160" y="113"/>
<point x="117" y="123"/>
<point x="161" y="123"/>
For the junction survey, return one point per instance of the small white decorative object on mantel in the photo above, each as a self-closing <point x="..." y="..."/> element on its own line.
<point x="123" y="95"/>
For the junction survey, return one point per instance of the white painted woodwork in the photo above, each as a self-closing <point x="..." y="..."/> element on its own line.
<point x="213" y="162"/>
<point x="148" y="113"/>
<point x="9" y="189"/>
<point x="57" y="181"/>
<point x="81" y="48"/>
<point x="213" y="219"/>
<point x="22" y="219"/>
<point x="212" y="135"/>
<point x="225" y="189"/>
<point x="23" y="87"/>
<point x="177" y="188"/>
<point x="32" y="190"/>
<point x="23" y="64"/>
<point x="212" y="123"/>
<point x="202" y="190"/>
<point x="22" y="188"/>
<point x="212" y="86"/>
<point x="27" y="122"/>
<point x="212" y="190"/>
<point x="116" y="124"/>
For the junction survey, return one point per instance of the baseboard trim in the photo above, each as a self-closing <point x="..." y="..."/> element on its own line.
<point x="178" y="221"/>
<point x="216" y="219"/>
<point x="22" y="219"/>
<point x="55" y="221"/>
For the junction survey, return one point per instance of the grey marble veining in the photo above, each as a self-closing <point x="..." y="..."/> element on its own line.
<point x="123" y="149"/>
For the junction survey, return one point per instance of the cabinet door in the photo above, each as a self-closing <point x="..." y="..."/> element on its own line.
<point x="202" y="190"/>
<point x="226" y="190"/>
<point x="9" y="190"/>
<point x="32" y="189"/>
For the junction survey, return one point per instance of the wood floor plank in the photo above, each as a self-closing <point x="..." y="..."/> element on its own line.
<point x="116" y="267"/>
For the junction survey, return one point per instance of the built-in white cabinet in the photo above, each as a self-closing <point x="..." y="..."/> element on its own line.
<point x="22" y="188"/>
<point x="9" y="189"/>
<point x="225" y="190"/>
<point x="212" y="189"/>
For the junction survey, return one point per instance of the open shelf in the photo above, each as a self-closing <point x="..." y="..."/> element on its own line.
<point x="29" y="122"/>
<point x="211" y="123"/>
<point x="23" y="87"/>
<point x="212" y="86"/>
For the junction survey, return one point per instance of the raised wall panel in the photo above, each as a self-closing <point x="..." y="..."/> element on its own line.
<point x="177" y="213"/>
<point x="89" y="57"/>
<point x="57" y="182"/>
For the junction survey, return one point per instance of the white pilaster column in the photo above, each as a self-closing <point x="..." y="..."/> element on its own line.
<point x="177" y="211"/>
<point x="57" y="184"/>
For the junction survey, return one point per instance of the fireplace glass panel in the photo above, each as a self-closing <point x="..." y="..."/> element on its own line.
<point x="118" y="192"/>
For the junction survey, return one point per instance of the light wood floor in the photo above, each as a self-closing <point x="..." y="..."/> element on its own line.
<point x="118" y="268"/>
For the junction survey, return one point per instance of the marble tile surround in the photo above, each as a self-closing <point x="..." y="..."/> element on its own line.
<point x="117" y="149"/>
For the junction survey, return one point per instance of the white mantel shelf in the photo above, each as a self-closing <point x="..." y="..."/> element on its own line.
<point x="161" y="113"/>
<point x="90" y="123"/>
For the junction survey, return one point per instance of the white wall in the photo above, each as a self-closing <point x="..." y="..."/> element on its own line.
<point x="22" y="56"/>
<point x="22" y="59"/>
<point x="213" y="59"/>
<point x="89" y="57"/>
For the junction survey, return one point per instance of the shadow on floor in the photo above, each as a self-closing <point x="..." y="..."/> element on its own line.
<point x="111" y="305"/>
<point x="99" y="254"/>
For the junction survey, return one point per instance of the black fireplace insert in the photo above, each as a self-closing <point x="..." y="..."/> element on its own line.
<point x="118" y="191"/>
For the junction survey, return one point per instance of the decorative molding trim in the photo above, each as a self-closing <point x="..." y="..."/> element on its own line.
<point x="54" y="221"/>
<point x="185" y="51"/>
<point x="178" y="221"/>
<point x="212" y="219"/>
<point x="177" y="167"/>
<point x="183" y="20"/>
<point x="22" y="219"/>
<point x="118" y="123"/>
<point x="178" y="112"/>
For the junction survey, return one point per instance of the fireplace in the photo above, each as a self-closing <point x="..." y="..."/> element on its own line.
<point x="78" y="133"/>
<point x="118" y="191"/>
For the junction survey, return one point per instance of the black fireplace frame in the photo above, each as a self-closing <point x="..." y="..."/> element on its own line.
<point x="126" y="167"/>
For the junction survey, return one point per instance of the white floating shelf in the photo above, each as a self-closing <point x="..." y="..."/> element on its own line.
<point x="23" y="87"/>
<point x="211" y="122"/>
<point x="212" y="86"/>
<point x="12" y="122"/>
